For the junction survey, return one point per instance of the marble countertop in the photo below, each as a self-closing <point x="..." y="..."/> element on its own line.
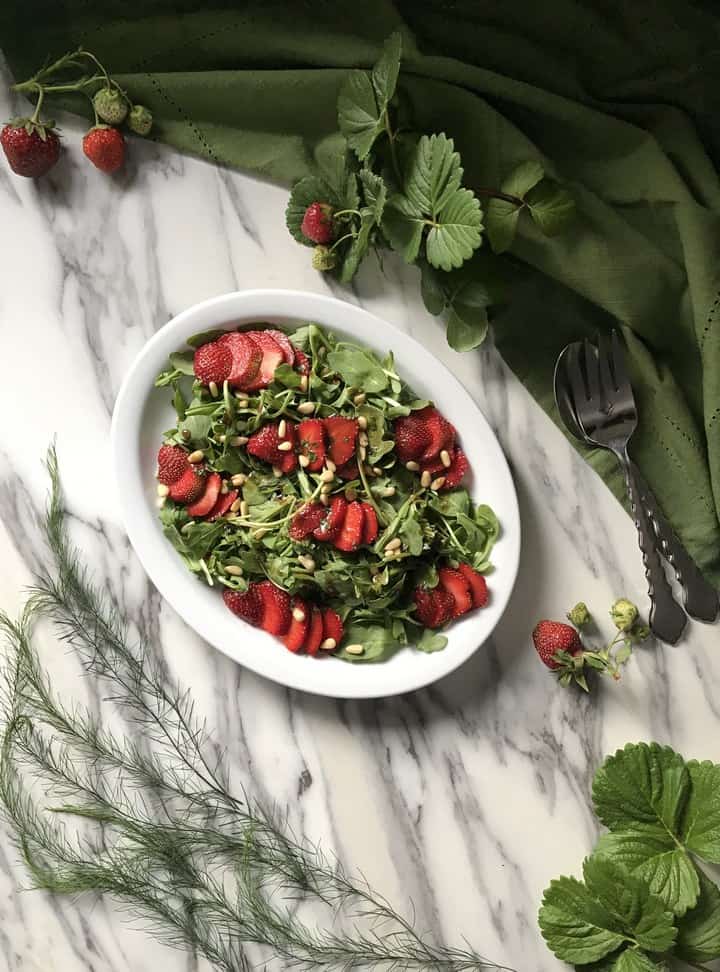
<point x="467" y="797"/>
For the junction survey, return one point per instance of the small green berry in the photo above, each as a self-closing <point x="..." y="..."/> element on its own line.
<point x="140" y="120"/>
<point x="110" y="106"/>
<point x="323" y="258"/>
<point x="579" y="615"/>
<point x="624" y="614"/>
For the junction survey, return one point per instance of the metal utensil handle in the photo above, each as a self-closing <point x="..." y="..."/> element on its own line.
<point x="667" y="619"/>
<point x="700" y="597"/>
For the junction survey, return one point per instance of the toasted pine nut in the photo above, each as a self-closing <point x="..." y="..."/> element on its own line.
<point x="236" y="504"/>
<point x="185" y="434"/>
<point x="326" y="488"/>
<point x="234" y="570"/>
<point x="282" y="429"/>
<point x="330" y="465"/>
<point x="362" y="421"/>
<point x="377" y="470"/>
<point x="388" y="491"/>
<point x="304" y="461"/>
<point x="425" y="479"/>
<point x="326" y="476"/>
<point x="325" y="499"/>
<point x="196" y="456"/>
<point x="239" y="440"/>
<point x="222" y="438"/>
<point x="213" y="389"/>
<point x="162" y="489"/>
<point x="298" y="614"/>
<point x="362" y="452"/>
<point x="259" y="534"/>
<point x="243" y="403"/>
<point x="307" y="562"/>
<point x="350" y="494"/>
<point x="393" y="544"/>
<point x="360" y="398"/>
<point x="437" y="483"/>
<point x="160" y="502"/>
<point x="413" y="466"/>
<point x="328" y="644"/>
<point x="285" y="446"/>
<point x="303" y="382"/>
<point x="224" y="489"/>
<point x="306" y="408"/>
<point x="277" y="472"/>
<point x="363" y="439"/>
<point x="445" y="458"/>
<point x="355" y="649"/>
<point x="239" y="479"/>
<point x="244" y="508"/>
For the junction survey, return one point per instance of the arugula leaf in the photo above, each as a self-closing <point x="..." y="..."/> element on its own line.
<point x="551" y="207"/>
<point x="364" y="99"/>
<point x="358" y="368"/>
<point x="374" y="191"/>
<point x="378" y="643"/>
<point x="197" y="425"/>
<point x="431" y="641"/>
<point x="701" y="823"/>
<point x="411" y="533"/>
<point x="182" y="361"/>
<point x="204" y="337"/>
<point x="303" y="193"/>
<point x="699" y="932"/>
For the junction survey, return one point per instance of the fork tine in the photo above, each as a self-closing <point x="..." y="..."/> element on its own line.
<point x="577" y="380"/>
<point x="618" y="363"/>
<point x="592" y="372"/>
<point x="607" y="378"/>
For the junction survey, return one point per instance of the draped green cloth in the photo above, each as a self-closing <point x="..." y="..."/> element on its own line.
<point x="620" y="101"/>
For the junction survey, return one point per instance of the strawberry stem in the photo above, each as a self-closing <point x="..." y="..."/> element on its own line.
<point x="36" y="114"/>
<point x="393" y="153"/>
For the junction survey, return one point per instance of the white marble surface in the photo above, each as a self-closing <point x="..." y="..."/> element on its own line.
<point x="466" y="798"/>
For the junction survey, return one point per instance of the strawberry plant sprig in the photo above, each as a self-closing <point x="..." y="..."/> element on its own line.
<point x="31" y="144"/>
<point x="387" y="185"/>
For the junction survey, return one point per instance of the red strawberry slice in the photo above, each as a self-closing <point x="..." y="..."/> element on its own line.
<point x="435" y="467"/>
<point x="213" y="362"/>
<point x="455" y="584"/>
<point x="477" y="584"/>
<point x="223" y="504"/>
<point x="456" y="470"/>
<point x="411" y="437"/>
<point x="272" y="356"/>
<point x="370" y="524"/>
<point x="348" y="470"/>
<point x="263" y="444"/>
<point x="433" y="608"/>
<point x="314" y="637"/>
<point x="308" y="518"/>
<point x="283" y="343"/>
<point x="332" y="524"/>
<point x="351" y="532"/>
<point x="276" y="608"/>
<point x="341" y="433"/>
<point x="203" y="505"/>
<point x="246" y="358"/>
<point x="302" y="362"/>
<point x="297" y="633"/>
<point x="332" y="626"/>
<point x="440" y="432"/>
<point x="444" y="605"/>
<point x="247" y="604"/>
<point x="288" y="462"/>
<point x="189" y="487"/>
<point x="311" y="437"/>
<point x="172" y="463"/>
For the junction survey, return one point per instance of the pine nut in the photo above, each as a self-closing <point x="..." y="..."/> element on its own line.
<point x="243" y="403"/>
<point x="328" y="644"/>
<point x="306" y="408"/>
<point x="413" y="466"/>
<point x="393" y="544"/>
<point x="437" y="483"/>
<point x="222" y="439"/>
<point x="307" y="562"/>
<point x="363" y="439"/>
<point x="360" y="398"/>
<point x="298" y="614"/>
<point x="259" y="534"/>
<point x="282" y="429"/>
<point x="235" y="505"/>
<point x="325" y="499"/>
<point x="377" y="470"/>
<point x="326" y="476"/>
<point x="224" y="489"/>
<point x="213" y="389"/>
<point x="350" y="494"/>
<point x="388" y="491"/>
<point x="362" y="421"/>
<point x="196" y="456"/>
<point x="304" y="461"/>
<point x="326" y="488"/>
<point x="277" y="472"/>
<point x="445" y="458"/>
<point x="185" y="434"/>
<point x="239" y="479"/>
<point x="425" y="479"/>
<point x="239" y="440"/>
<point x="285" y="446"/>
<point x="355" y="649"/>
<point x="303" y="383"/>
<point x="160" y="502"/>
<point x="162" y="489"/>
<point x="362" y="452"/>
<point x="244" y="508"/>
<point x="234" y="570"/>
<point x="330" y="465"/>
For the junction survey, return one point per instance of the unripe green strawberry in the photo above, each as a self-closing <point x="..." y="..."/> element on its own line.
<point x="323" y="258"/>
<point x="140" y="120"/>
<point x="110" y="106"/>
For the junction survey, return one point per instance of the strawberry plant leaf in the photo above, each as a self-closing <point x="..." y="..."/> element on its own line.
<point x="308" y="190"/>
<point x="456" y="232"/>
<point x="467" y="325"/>
<point x="384" y="75"/>
<point x="699" y="931"/>
<point x="701" y="824"/>
<point x="338" y="170"/>
<point x="551" y="207"/>
<point x="432" y="288"/>
<point x="523" y="178"/>
<point x="502" y="215"/>
<point x="364" y="98"/>
<point x="433" y="174"/>
<point x="374" y="191"/>
<point x="575" y="926"/>
<point x="403" y="226"/>
<point x="357" y="251"/>
<point x="633" y="960"/>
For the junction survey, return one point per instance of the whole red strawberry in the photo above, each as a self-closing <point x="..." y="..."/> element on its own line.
<point x="317" y="223"/>
<point x="550" y="637"/>
<point x="105" y="147"/>
<point x="32" y="148"/>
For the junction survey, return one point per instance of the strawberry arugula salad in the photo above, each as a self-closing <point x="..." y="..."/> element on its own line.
<point x="307" y="482"/>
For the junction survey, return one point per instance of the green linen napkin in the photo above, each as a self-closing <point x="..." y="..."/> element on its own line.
<point x="619" y="100"/>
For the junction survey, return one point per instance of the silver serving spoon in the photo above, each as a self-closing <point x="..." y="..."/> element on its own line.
<point x="700" y="599"/>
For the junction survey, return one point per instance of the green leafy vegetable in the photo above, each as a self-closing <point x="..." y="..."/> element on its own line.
<point x="363" y="100"/>
<point x="503" y="213"/>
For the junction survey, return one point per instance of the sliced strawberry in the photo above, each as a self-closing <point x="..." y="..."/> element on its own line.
<point x="276" y="608"/>
<point x="348" y="470"/>
<point x="311" y="442"/>
<point x="455" y="584"/>
<point x="477" y="584"/>
<point x="332" y="625"/>
<point x="433" y="608"/>
<point x="247" y="604"/>
<point x="332" y="524"/>
<point x="441" y="434"/>
<point x="263" y="444"/>
<point x="308" y="518"/>
<point x="341" y="434"/>
<point x="370" y="524"/>
<point x="444" y="605"/>
<point x="223" y="504"/>
<point x="246" y="358"/>
<point x="288" y="462"/>
<point x="172" y="463"/>
<point x="297" y="633"/>
<point x="283" y="343"/>
<point x="314" y="637"/>
<point x="189" y="487"/>
<point x="435" y="467"/>
<point x="213" y="362"/>
<point x="351" y="532"/>
<point x="302" y="362"/>
<point x="411" y="437"/>
<point x="272" y="356"/>
<point x="456" y="470"/>
<point x="203" y="505"/>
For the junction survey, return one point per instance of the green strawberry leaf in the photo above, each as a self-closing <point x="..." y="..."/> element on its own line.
<point x="364" y="98"/>
<point x="467" y="325"/>
<point x="551" y="207"/>
<point x="699" y="931"/>
<point x="633" y="960"/>
<point x="701" y="823"/>
<point x="575" y="926"/>
<point x="374" y="191"/>
<point x="502" y="215"/>
<point x="403" y="227"/>
<point x="308" y="190"/>
<point x="457" y="231"/>
<point x="432" y="288"/>
<point x="337" y="168"/>
<point x="433" y="174"/>
<point x="358" y="249"/>
<point x="656" y="858"/>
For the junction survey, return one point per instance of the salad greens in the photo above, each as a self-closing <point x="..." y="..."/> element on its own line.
<point x="370" y="591"/>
